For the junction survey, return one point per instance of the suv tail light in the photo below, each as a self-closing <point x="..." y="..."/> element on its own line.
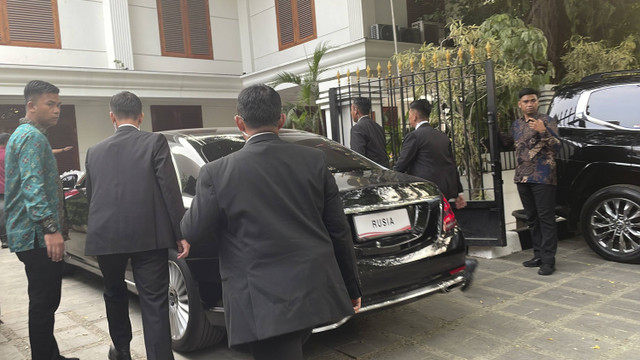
<point x="448" y="219"/>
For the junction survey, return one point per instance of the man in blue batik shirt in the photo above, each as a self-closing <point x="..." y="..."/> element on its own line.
<point x="536" y="141"/>
<point x="32" y="208"/>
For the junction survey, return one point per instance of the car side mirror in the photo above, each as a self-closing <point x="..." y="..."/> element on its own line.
<point x="69" y="181"/>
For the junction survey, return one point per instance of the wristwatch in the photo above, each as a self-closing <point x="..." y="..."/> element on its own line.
<point x="49" y="225"/>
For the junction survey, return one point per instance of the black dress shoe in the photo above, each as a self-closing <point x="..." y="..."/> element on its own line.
<point x="535" y="262"/>
<point x="546" y="269"/>
<point x="115" y="354"/>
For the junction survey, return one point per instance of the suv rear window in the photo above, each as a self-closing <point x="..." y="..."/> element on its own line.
<point x="619" y="105"/>
<point x="564" y="109"/>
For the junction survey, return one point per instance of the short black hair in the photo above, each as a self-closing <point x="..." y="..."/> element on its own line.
<point x="36" y="88"/>
<point x="4" y="138"/>
<point x="363" y="105"/>
<point x="125" y="105"/>
<point x="528" y="91"/>
<point x="422" y="106"/>
<point x="259" y="105"/>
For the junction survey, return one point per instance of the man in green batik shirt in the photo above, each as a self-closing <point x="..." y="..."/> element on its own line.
<point x="32" y="209"/>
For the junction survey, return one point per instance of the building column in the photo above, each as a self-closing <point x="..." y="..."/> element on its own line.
<point x="356" y="21"/>
<point x="118" y="34"/>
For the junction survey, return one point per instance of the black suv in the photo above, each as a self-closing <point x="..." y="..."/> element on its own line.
<point x="599" y="163"/>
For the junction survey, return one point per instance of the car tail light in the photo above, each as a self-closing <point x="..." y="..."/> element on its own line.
<point x="70" y="193"/>
<point x="448" y="219"/>
<point x="457" y="270"/>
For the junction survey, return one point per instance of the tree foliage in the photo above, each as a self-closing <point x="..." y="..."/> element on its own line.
<point x="304" y="113"/>
<point x="611" y="21"/>
<point x="586" y="57"/>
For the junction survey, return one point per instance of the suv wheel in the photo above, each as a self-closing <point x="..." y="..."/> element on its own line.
<point x="610" y="221"/>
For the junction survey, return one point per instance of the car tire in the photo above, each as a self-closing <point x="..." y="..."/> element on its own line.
<point x="190" y="329"/>
<point x="610" y="221"/>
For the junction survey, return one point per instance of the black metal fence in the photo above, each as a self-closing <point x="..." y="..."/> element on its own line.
<point x="459" y="95"/>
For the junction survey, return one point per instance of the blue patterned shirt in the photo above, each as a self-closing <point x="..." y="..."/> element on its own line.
<point x="31" y="186"/>
<point x="535" y="152"/>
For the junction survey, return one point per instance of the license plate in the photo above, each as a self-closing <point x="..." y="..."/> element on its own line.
<point x="382" y="223"/>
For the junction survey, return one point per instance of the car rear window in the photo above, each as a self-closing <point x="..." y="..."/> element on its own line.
<point x="339" y="158"/>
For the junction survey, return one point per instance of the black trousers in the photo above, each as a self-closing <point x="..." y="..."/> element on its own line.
<point x="282" y="347"/>
<point x="151" y="275"/>
<point x="45" y="282"/>
<point x="539" y="201"/>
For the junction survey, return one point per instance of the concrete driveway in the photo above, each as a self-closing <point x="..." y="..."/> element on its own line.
<point x="588" y="309"/>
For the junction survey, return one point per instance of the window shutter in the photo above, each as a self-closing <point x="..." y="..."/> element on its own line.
<point x="172" y="27"/>
<point x="198" y="15"/>
<point x="31" y="21"/>
<point x="285" y="22"/>
<point x="306" y="27"/>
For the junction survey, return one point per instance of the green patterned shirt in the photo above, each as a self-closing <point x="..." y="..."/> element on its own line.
<point x="31" y="186"/>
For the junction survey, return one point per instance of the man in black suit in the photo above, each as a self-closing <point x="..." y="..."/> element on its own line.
<point x="426" y="153"/>
<point x="275" y="216"/>
<point x="367" y="136"/>
<point x="135" y="208"/>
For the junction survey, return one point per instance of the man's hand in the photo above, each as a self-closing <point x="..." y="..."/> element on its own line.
<point x="356" y="304"/>
<point x="537" y="125"/>
<point x="460" y="202"/>
<point x="183" y="248"/>
<point x="55" y="246"/>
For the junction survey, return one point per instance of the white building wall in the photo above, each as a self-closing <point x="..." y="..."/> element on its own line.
<point x="147" y="50"/>
<point x="93" y="124"/>
<point x="245" y="50"/>
<point x="81" y="37"/>
<point x="332" y="26"/>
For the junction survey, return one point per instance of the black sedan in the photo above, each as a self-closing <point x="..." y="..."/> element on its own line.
<point x="406" y="238"/>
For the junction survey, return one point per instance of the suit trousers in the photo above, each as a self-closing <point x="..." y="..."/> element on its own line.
<point x="539" y="202"/>
<point x="282" y="347"/>
<point x="151" y="275"/>
<point x="45" y="282"/>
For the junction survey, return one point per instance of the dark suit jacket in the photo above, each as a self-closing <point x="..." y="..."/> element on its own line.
<point x="426" y="153"/>
<point x="274" y="213"/>
<point x="135" y="202"/>
<point x="367" y="138"/>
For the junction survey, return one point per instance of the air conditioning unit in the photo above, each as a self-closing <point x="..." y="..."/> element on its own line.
<point x="410" y="35"/>
<point x="382" y="32"/>
<point x="431" y="32"/>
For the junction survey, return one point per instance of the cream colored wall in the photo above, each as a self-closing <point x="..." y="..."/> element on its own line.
<point x="147" y="52"/>
<point x="332" y="26"/>
<point x="81" y="37"/>
<point x="93" y="123"/>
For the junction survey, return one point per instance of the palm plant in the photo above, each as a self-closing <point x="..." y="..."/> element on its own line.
<point x="304" y="114"/>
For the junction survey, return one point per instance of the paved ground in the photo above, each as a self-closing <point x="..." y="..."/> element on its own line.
<point x="589" y="309"/>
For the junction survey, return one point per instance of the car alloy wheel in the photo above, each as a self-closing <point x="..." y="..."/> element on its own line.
<point x="178" y="302"/>
<point x="190" y="329"/>
<point x="611" y="223"/>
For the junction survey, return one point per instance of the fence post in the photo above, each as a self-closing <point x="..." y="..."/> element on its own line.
<point x="496" y="164"/>
<point x="334" y="111"/>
